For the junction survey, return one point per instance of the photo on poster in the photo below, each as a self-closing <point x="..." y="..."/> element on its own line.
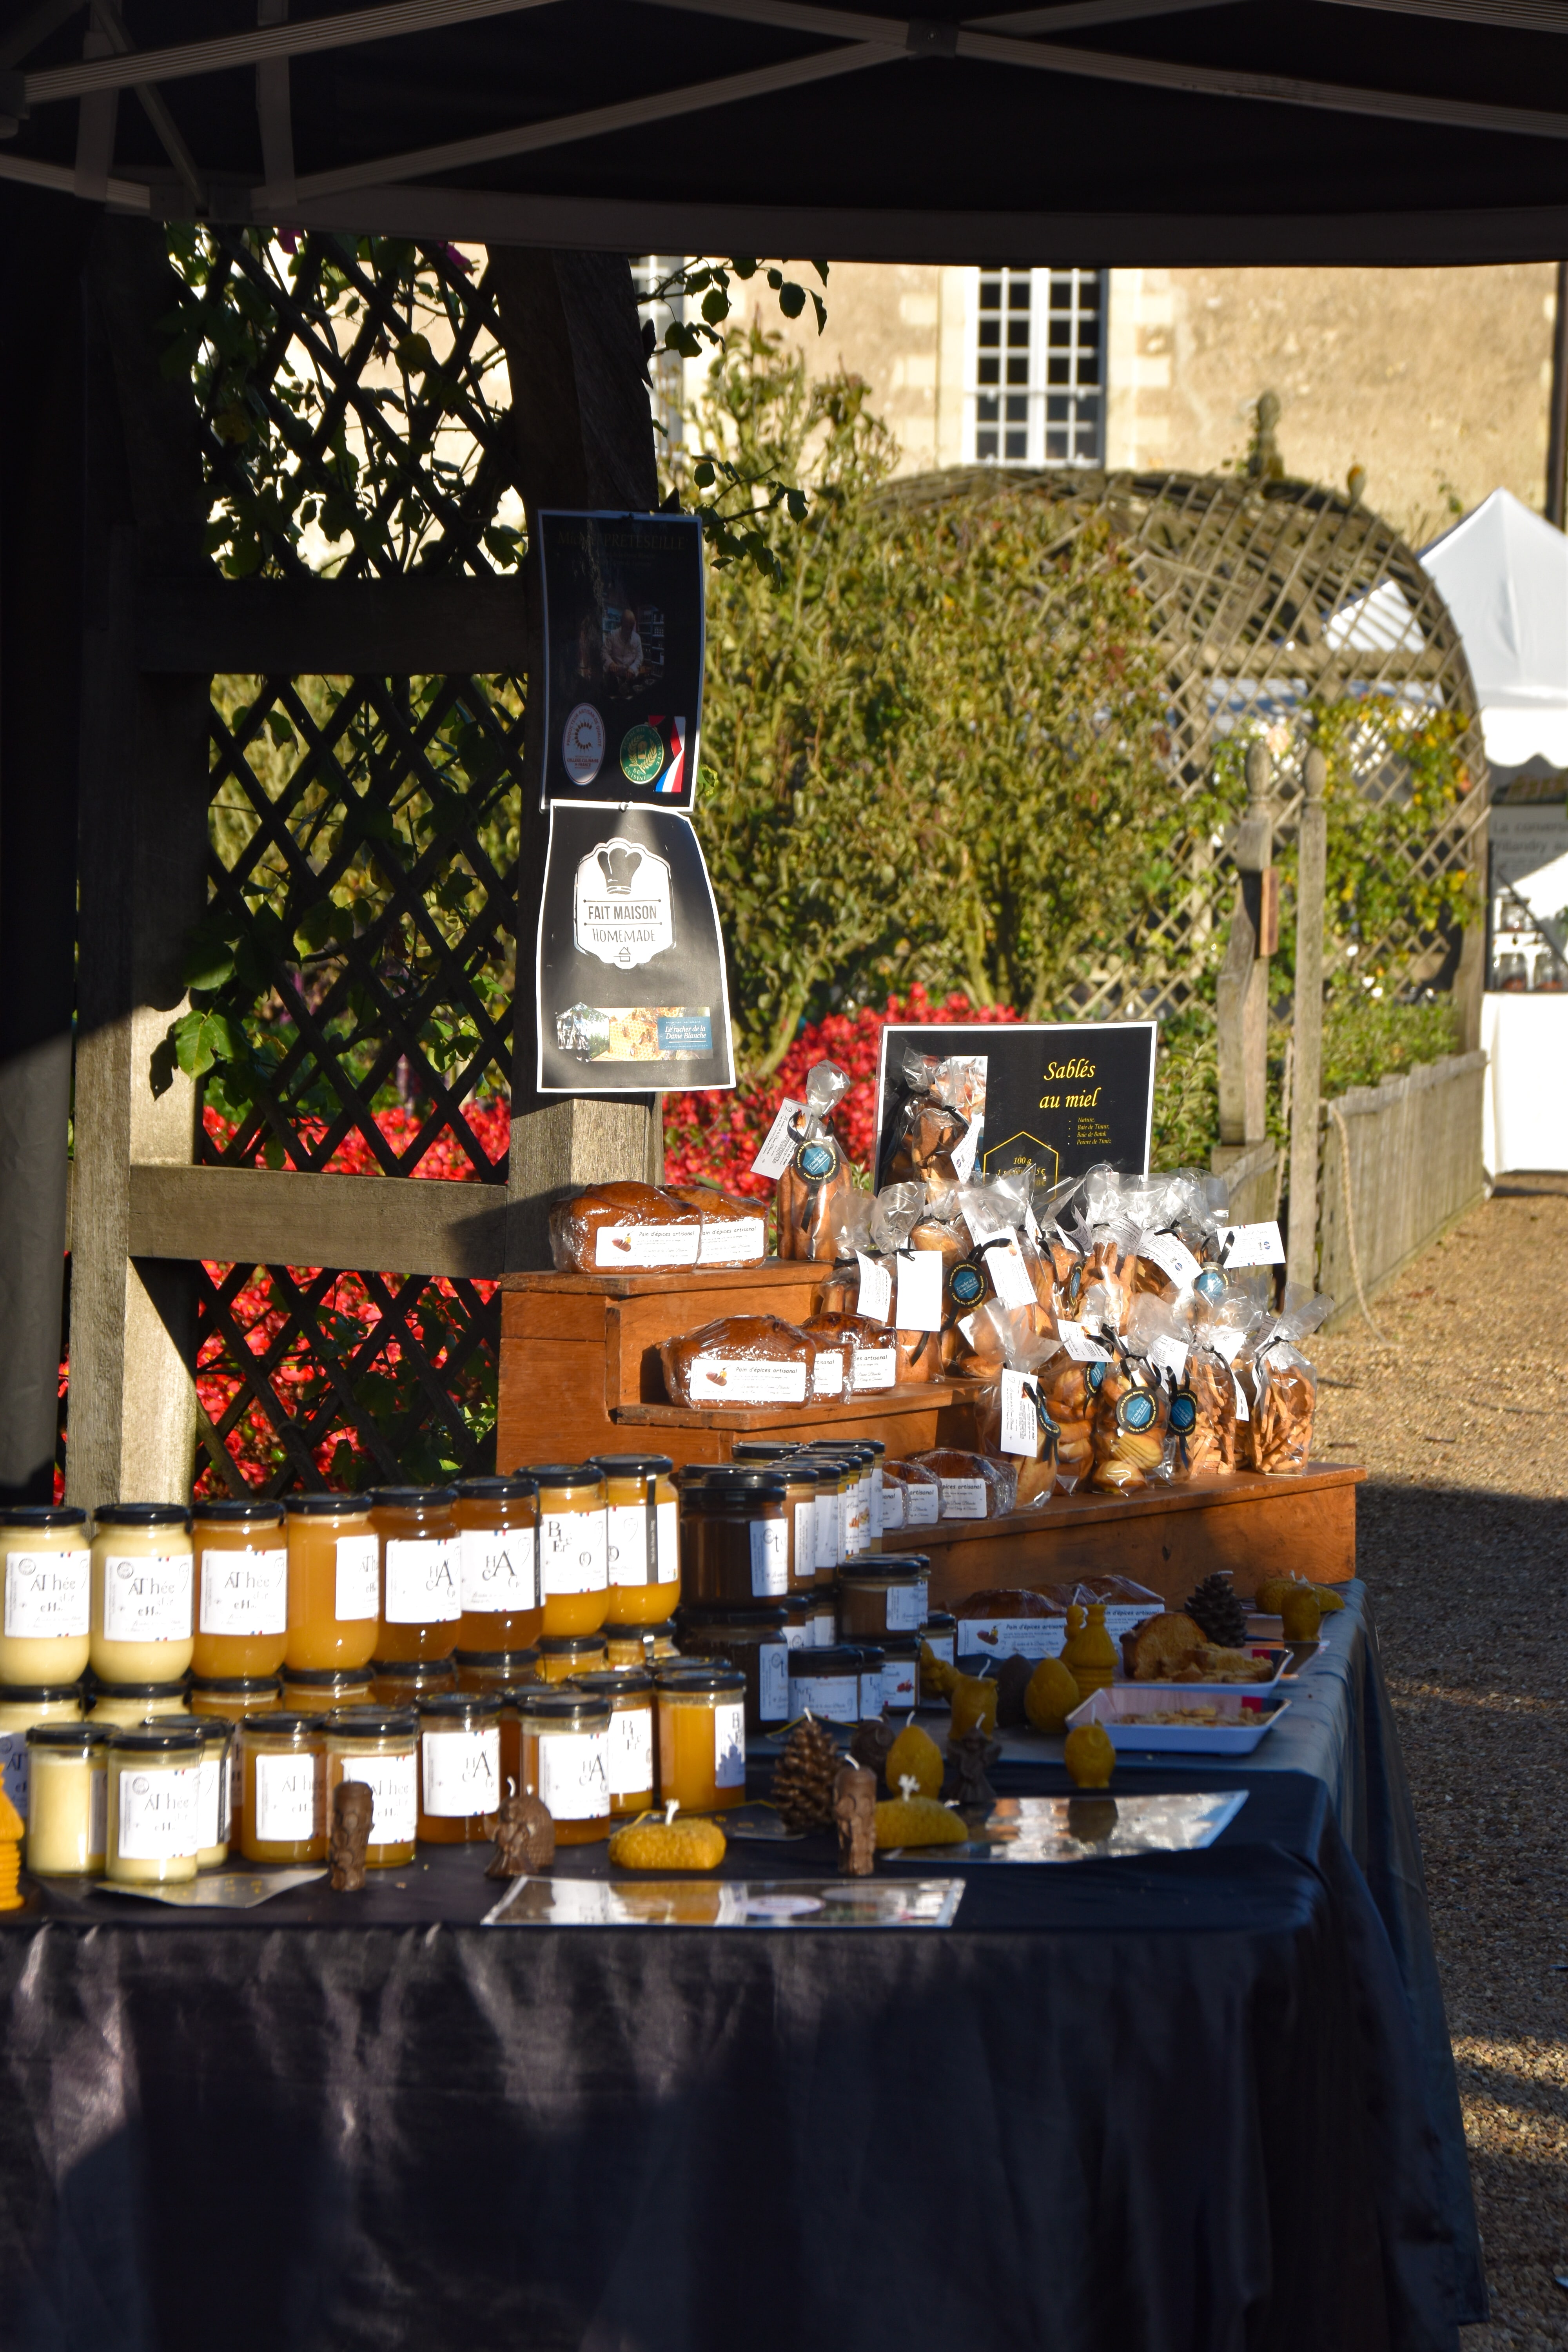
<point x="1057" y="1097"/>
<point x="632" y="989"/>
<point x="624" y="625"/>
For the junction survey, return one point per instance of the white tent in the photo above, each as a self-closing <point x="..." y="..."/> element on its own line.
<point x="1503" y="572"/>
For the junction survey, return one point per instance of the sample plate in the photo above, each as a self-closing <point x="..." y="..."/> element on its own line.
<point x="217" y="1890"/>
<point x="1241" y="1720"/>
<point x="728" y="1903"/>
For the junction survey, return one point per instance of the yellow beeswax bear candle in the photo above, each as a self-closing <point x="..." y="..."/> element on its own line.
<point x="1089" y="1755"/>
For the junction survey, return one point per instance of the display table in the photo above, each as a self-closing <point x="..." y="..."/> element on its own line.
<point x="1183" y="2102"/>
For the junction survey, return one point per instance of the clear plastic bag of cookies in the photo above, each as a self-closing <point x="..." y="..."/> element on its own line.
<point x="813" y="1185"/>
<point x="1131" y="1415"/>
<point x="1285" y="1388"/>
<point x="930" y="1140"/>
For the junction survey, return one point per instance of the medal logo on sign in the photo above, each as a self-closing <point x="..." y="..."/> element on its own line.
<point x="642" y="754"/>
<point x="582" y="744"/>
<point x="622" y="912"/>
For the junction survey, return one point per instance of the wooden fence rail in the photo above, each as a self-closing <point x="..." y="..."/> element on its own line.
<point x="1414" y="1149"/>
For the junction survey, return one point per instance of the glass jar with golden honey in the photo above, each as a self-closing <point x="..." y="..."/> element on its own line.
<point x="494" y="1670"/>
<point x="702" y="1738"/>
<point x="45" y="1594"/>
<point x="564" y="1761"/>
<point x="628" y="1695"/>
<point x="754" y="1640"/>
<point x="242" y="1587"/>
<point x="283" y="1815"/>
<point x="421" y="1573"/>
<point x="835" y="1487"/>
<point x="642" y="1535"/>
<point x="625" y="1645"/>
<point x="67" y="1799"/>
<point x="143" y="1622"/>
<point x="573" y="1546"/>
<point x="563" y="1655"/>
<point x="380" y="1746"/>
<point x="403" y="1682"/>
<point x="131" y="1702"/>
<point x="214" y="1805"/>
<point x="497" y="1521"/>
<point x="459" y="1767"/>
<point x="335" y="1581"/>
<point x="153" y="1810"/>
<point x="322" y="1690"/>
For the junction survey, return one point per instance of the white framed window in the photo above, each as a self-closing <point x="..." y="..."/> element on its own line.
<point x="1036" y="395"/>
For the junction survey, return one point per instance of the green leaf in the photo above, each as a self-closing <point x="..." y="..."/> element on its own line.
<point x="792" y="299"/>
<point x="208" y="959"/>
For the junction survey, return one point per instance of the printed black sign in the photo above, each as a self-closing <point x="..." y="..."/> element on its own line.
<point x="622" y="656"/>
<point x="632" y="992"/>
<point x="1058" y="1097"/>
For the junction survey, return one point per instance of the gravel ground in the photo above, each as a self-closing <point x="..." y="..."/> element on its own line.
<point x="1456" y="1415"/>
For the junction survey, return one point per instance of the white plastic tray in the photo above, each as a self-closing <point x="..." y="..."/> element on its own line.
<point x="1245" y="1717"/>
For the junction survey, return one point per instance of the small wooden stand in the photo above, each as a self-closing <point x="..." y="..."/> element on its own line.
<point x="580" y="1374"/>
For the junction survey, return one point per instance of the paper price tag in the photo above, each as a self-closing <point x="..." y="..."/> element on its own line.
<point x="1020" y="1428"/>
<point x="778" y="1144"/>
<point x="1241" y="1410"/>
<point x="1010" y="1275"/>
<point x="1169" y="1355"/>
<point x="1080" y="1346"/>
<point x="1171" y="1255"/>
<point x="920" y="1292"/>
<point x="875" y="1298"/>
<point x="1252" y="1245"/>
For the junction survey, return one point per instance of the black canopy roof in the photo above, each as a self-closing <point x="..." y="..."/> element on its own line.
<point x="1091" y="131"/>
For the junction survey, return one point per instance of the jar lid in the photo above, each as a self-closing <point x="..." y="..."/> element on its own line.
<point x="292" y="1727"/>
<point x="762" y="1449"/>
<point x="908" y="1564"/>
<point x="215" y="1726"/>
<point x="463" y="1706"/>
<point x="234" y="1686"/>
<point x="68" y="1735"/>
<point x="371" y="1723"/>
<point x="148" y="1739"/>
<point x="410" y="1670"/>
<point x="705" y="1677"/>
<point x="41" y="1515"/>
<point x="868" y="1652"/>
<point x="677" y="1669"/>
<point x="322" y="1678"/>
<point x="941" y="1619"/>
<point x="569" y="1646"/>
<point x="899" y="1645"/>
<point x="39" y="1694"/>
<point x="412" y="1499"/>
<point x="561" y="1706"/>
<point x="562" y="1473"/>
<point x="142" y="1515"/>
<point x="231" y="1510"/>
<point x="326" y="1506"/>
<point x="615" y="1682"/>
<point x="872" y="1445"/>
<point x="883" y="1576"/>
<point x="834" y="1661"/>
<point x="494" y="1659"/>
<point x="95" y="1688"/>
<point x="706" y="1614"/>
<point x="615" y="1629"/>
<point x="632" y="1465"/>
<point x="514" y="1489"/>
<point x="737" y="1492"/>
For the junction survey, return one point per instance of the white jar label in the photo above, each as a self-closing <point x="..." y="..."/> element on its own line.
<point x="804" y="1540"/>
<point x="921" y="1505"/>
<point x="730" y="1744"/>
<point x="906" y="1608"/>
<point x="729" y="1241"/>
<point x="615" y="1247"/>
<point x="892" y="1507"/>
<point x="940" y="1645"/>
<point x="963" y="1498"/>
<point x="394" y="1785"/>
<point x="147" y="1596"/>
<point x="828" y="1551"/>
<point x="631" y="1751"/>
<point x="827" y="1371"/>
<point x="245" y="1592"/>
<point x="48" y="1595"/>
<point x="16" y="1772"/>
<point x="424" y="1580"/>
<point x="876" y="1368"/>
<point x="498" y="1569"/>
<point x="288" y="1800"/>
<point x="357" y="1559"/>
<point x="625" y="1535"/>
<point x="898" y="1677"/>
<point x="772" y="1682"/>
<point x="871" y="1697"/>
<point x="822" y="1629"/>
<point x="158" y="1813"/>
<point x="574" y="1552"/>
<point x="878" y="1522"/>
<point x="574" y="1774"/>
<point x="769" y="1560"/>
<point x="835" y="1697"/>
<point x="797" y="1637"/>
<point x="461" y="1771"/>
<point x="756" y="1380"/>
<point x="211" y="1801"/>
<point x="668" y="1538"/>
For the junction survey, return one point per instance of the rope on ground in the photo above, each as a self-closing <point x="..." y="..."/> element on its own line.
<point x="1337" y="1115"/>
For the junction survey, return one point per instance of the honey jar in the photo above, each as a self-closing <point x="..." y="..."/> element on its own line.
<point x="940" y="1635"/>
<point x="834" y="1509"/>
<point x="495" y="1670"/>
<point x="564" y="1761"/>
<point x="573" y="1546"/>
<point x="152" y="1802"/>
<point x="235" y="1697"/>
<point x="459" y="1767"/>
<point x="563" y="1656"/>
<point x="889" y="1596"/>
<point x="22" y="1705"/>
<point x="877" y="1451"/>
<point x="822" y="1619"/>
<point x="45" y="1594"/>
<point x="322" y="1690"/>
<point x="754" y="1642"/>
<point x="873" y="1660"/>
<point x="283" y="1813"/>
<point x="642" y="1535"/>
<point x="803" y="1476"/>
<point x="335" y="1581"/>
<point x="421" y="1571"/>
<point x="131" y="1702"/>
<point x="627" y="1645"/>
<point x="143" y="1623"/>
<point x="380" y="1746"/>
<point x="214" y="1804"/>
<point x="734" y="1542"/>
<point x="661" y="1641"/>
<point x="702" y="1738"/>
<point x="855" y="1508"/>
<point x="406" y="1682"/>
<point x="628" y="1695"/>
<point x="67" y="1799"/>
<point x="496" y="1521"/>
<point x="900" y="1674"/>
<point x="242" y="1587"/>
<point x="827" y="1682"/>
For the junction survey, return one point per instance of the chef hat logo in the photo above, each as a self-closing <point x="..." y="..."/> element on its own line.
<point x="618" y="865"/>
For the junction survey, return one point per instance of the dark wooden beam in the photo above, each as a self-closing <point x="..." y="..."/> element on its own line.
<point x="429" y="624"/>
<point x="391" y="1225"/>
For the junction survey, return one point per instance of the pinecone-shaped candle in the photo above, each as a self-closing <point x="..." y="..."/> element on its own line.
<point x="1213" y="1605"/>
<point x="803" y="1784"/>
